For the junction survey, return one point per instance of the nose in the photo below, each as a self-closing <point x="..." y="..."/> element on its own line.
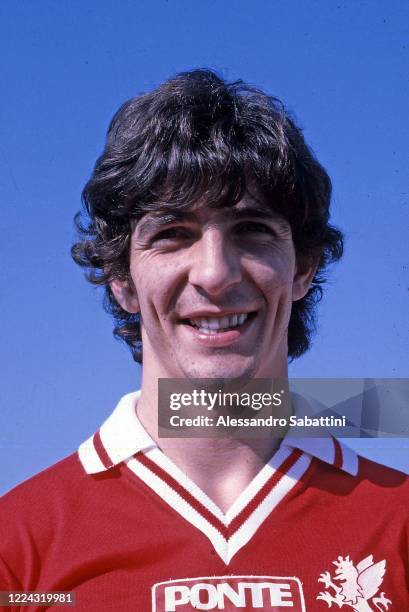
<point x="215" y="263"/>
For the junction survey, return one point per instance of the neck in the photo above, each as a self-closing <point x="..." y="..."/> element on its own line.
<point x="222" y="468"/>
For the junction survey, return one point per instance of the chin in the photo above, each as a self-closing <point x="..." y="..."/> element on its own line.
<point x="220" y="370"/>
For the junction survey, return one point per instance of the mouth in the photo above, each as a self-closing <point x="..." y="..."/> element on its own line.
<point x="211" y="326"/>
<point x="219" y="330"/>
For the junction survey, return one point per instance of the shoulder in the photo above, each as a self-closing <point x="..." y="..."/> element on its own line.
<point x="41" y="496"/>
<point x="373" y="485"/>
<point x="51" y="480"/>
<point x="385" y="480"/>
<point x="46" y="512"/>
<point x="55" y="491"/>
<point x="37" y="509"/>
<point x="29" y="517"/>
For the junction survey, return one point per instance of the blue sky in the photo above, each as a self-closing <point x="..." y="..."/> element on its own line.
<point x="67" y="66"/>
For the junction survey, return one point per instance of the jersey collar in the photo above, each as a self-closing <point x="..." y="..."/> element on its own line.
<point x="122" y="436"/>
<point x="327" y="448"/>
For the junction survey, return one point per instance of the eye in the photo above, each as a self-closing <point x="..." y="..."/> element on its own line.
<point x="254" y="227"/>
<point x="172" y="233"/>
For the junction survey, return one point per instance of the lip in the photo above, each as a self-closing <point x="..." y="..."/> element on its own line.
<point x="221" y="338"/>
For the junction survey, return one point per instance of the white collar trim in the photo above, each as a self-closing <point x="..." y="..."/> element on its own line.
<point x="122" y="436"/>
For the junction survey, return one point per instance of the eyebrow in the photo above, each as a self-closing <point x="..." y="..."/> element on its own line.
<point x="257" y="211"/>
<point x="151" y="223"/>
<point x="160" y="219"/>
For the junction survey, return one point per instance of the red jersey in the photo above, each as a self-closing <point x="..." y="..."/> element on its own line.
<point x="124" y="528"/>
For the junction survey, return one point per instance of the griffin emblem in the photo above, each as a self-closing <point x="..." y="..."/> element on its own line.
<point x="357" y="585"/>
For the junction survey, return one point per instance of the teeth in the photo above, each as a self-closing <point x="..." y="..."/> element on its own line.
<point x="210" y="325"/>
<point x="208" y="332"/>
<point x="224" y="322"/>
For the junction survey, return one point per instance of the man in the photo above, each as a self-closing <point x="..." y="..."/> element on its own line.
<point x="208" y="226"/>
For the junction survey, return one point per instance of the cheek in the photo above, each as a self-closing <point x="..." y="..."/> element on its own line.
<point x="274" y="276"/>
<point x="156" y="284"/>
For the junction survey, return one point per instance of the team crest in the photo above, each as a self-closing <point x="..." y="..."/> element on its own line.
<point x="356" y="586"/>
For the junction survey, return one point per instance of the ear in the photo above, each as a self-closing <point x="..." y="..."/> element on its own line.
<point x="125" y="294"/>
<point x="305" y="270"/>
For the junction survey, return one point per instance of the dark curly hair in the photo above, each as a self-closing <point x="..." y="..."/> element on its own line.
<point x="198" y="138"/>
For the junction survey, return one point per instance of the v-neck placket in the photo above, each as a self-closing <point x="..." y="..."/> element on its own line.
<point x="228" y="532"/>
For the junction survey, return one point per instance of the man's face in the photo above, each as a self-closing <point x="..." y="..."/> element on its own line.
<point x="214" y="289"/>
